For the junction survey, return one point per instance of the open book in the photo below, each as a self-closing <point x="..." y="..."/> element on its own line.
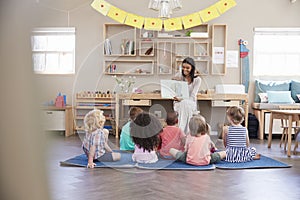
<point x="173" y="88"/>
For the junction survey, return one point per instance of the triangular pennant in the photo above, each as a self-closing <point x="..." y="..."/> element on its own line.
<point x="173" y="24"/>
<point x="225" y="5"/>
<point x="191" y="20"/>
<point x="153" y="24"/>
<point x="209" y="13"/>
<point x="134" y="20"/>
<point x="117" y="14"/>
<point x="101" y="6"/>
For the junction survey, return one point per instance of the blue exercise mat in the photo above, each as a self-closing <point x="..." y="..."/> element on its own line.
<point x="81" y="161"/>
<point x="263" y="162"/>
<point x="173" y="165"/>
<point x="126" y="162"/>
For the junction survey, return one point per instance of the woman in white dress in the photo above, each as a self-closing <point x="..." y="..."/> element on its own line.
<point x="187" y="107"/>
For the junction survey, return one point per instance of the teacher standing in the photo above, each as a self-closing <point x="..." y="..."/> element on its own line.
<point x="187" y="107"/>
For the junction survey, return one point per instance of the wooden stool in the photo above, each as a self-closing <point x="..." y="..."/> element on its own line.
<point x="284" y="126"/>
<point x="296" y="141"/>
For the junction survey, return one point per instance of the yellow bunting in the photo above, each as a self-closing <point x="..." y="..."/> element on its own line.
<point x="134" y="20"/>
<point x="225" y="5"/>
<point x="191" y="20"/>
<point x="173" y="24"/>
<point x="153" y="24"/>
<point x="117" y="14"/>
<point x="209" y="13"/>
<point x="101" y="6"/>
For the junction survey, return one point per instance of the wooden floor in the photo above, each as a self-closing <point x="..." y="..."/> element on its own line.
<point x="75" y="183"/>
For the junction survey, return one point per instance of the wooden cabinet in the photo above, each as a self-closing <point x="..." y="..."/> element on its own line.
<point x="58" y="119"/>
<point x="161" y="52"/>
<point x="219" y="46"/>
<point x="87" y="101"/>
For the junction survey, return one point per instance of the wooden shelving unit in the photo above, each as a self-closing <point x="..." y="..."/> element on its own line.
<point x="119" y="35"/>
<point x="129" y="67"/>
<point x="146" y="48"/>
<point x="164" y="58"/>
<point x="182" y="49"/>
<point x="219" y="46"/>
<point x="202" y="66"/>
<point x="87" y="101"/>
<point x="161" y="52"/>
<point x="201" y="49"/>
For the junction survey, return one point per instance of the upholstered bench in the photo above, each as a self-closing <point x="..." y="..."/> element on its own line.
<point x="274" y="95"/>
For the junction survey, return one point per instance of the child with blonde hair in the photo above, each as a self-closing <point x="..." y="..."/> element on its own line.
<point x="236" y="139"/>
<point x="144" y="131"/>
<point x="199" y="147"/>
<point x="126" y="143"/>
<point x="171" y="137"/>
<point x="95" y="142"/>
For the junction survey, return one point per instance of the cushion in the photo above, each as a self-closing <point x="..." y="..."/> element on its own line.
<point x="295" y="89"/>
<point x="263" y="97"/>
<point x="264" y="86"/>
<point x="280" y="97"/>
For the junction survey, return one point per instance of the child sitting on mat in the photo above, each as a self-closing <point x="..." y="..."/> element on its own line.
<point x="126" y="143"/>
<point x="199" y="149"/>
<point x="144" y="131"/>
<point x="171" y="137"/>
<point x="236" y="139"/>
<point x="95" y="144"/>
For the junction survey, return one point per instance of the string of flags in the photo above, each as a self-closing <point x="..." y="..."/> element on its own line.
<point x="172" y="24"/>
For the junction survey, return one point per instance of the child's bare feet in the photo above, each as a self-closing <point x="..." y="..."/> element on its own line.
<point x="256" y="157"/>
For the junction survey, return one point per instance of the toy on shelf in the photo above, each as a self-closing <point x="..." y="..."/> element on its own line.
<point x="96" y="94"/>
<point x="60" y="101"/>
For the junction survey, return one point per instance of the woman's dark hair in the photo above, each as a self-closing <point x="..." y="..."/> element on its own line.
<point x="144" y="131"/>
<point x="191" y="62"/>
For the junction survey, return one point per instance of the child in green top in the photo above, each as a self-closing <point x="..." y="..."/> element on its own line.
<point x="126" y="143"/>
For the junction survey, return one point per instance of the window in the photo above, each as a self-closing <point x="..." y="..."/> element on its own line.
<point x="53" y="50"/>
<point x="276" y="52"/>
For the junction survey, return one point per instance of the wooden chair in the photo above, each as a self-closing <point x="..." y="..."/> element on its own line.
<point x="296" y="141"/>
<point x="284" y="126"/>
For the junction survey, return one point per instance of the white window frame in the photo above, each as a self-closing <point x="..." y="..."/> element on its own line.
<point x="56" y="57"/>
<point x="276" y="52"/>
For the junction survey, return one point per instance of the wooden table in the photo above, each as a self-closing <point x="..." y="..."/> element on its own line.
<point x="226" y="98"/>
<point x="291" y="116"/>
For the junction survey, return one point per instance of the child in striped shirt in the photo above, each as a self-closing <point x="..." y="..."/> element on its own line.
<point x="236" y="139"/>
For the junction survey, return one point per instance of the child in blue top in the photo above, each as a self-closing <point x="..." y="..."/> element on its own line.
<point x="126" y="143"/>
<point x="236" y="139"/>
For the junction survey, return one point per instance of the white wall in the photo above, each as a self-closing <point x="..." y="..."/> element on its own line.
<point x="240" y="20"/>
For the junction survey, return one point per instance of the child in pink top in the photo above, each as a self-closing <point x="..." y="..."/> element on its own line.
<point x="171" y="137"/>
<point x="199" y="147"/>
<point x="144" y="131"/>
